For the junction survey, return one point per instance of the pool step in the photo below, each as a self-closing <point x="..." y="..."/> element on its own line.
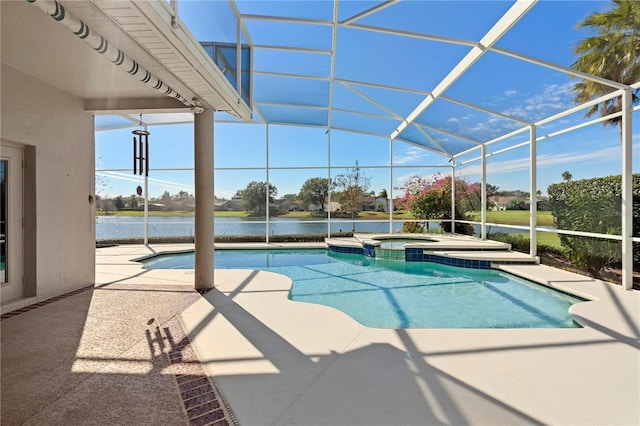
<point x="343" y="242"/>
<point x="461" y="245"/>
<point x="463" y="251"/>
<point x="501" y="257"/>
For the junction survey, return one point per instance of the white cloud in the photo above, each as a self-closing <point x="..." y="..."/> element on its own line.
<point x="546" y="160"/>
<point x="554" y="98"/>
<point x="410" y="155"/>
<point x="402" y="179"/>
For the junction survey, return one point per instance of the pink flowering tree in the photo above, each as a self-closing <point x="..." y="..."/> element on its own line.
<point x="430" y="198"/>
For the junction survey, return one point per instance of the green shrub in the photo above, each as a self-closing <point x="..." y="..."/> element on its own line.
<point x="430" y="198"/>
<point x="412" y="228"/>
<point x="593" y="205"/>
<point x="520" y="242"/>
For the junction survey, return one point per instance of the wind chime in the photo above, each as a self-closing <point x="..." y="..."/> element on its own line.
<point x="140" y="153"/>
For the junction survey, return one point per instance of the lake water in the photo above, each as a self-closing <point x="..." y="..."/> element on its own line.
<point x="124" y="227"/>
<point x="109" y="227"/>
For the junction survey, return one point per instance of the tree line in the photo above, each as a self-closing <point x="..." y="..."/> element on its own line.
<point x="347" y="188"/>
<point x="182" y="201"/>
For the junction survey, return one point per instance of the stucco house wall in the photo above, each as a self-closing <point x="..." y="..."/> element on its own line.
<point x="59" y="137"/>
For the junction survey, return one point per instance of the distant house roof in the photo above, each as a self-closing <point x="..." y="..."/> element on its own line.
<point x="502" y="200"/>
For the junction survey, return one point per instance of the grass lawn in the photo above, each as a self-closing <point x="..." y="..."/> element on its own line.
<point x="230" y="214"/>
<point x="548" y="239"/>
<point x="397" y="215"/>
<point x="507" y="217"/>
<point x="515" y="217"/>
<point x="520" y="242"/>
<point x="297" y="215"/>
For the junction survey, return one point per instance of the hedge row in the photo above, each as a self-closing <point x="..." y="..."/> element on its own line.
<point x="594" y="205"/>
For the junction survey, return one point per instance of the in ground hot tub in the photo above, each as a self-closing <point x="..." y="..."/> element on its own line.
<point x="398" y="243"/>
<point x="392" y="248"/>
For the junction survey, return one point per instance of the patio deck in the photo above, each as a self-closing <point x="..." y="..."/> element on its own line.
<point x="135" y="348"/>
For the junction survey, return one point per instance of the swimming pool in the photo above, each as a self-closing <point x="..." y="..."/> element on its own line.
<point x="385" y="294"/>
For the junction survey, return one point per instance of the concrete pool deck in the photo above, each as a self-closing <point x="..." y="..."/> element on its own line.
<point x="274" y="361"/>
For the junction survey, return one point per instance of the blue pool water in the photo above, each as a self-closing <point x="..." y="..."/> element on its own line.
<point x="386" y="294"/>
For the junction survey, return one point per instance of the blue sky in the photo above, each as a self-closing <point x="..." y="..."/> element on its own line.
<point x="496" y="82"/>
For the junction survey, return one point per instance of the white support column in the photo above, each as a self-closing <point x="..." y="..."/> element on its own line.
<point x="453" y="195"/>
<point x="483" y="198"/>
<point x="627" y="191"/>
<point x="329" y="181"/>
<point x="533" y="196"/>
<point x="203" y="170"/>
<point x="390" y="192"/>
<point x="268" y="207"/>
<point x="239" y="57"/>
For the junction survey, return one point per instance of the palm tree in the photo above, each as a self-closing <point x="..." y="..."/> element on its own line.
<point x="566" y="176"/>
<point x="383" y="194"/>
<point x="612" y="53"/>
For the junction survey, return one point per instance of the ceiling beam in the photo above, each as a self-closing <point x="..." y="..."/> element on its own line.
<point x="572" y="72"/>
<point x="448" y="133"/>
<point x="517" y="11"/>
<point x="411" y="34"/>
<point x="332" y="73"/>
<point x="373" y="101"/>
<point x="288" y="75"/>
<point x="485" y="110"/>
<point x="286" y="19"/>
<point x="292" y="49"/>
<point x="369" y="11"/>
<point x="433" y="141"/>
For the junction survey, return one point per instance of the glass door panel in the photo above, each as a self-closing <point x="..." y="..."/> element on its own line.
<point x="3" y="221"/>
<point x="11" y="232"/>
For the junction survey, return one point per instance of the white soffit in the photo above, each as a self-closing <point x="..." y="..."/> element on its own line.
<point x="149" y="24"/>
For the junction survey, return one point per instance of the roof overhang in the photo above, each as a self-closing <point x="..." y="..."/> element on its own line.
<point x="141" y="30"/>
